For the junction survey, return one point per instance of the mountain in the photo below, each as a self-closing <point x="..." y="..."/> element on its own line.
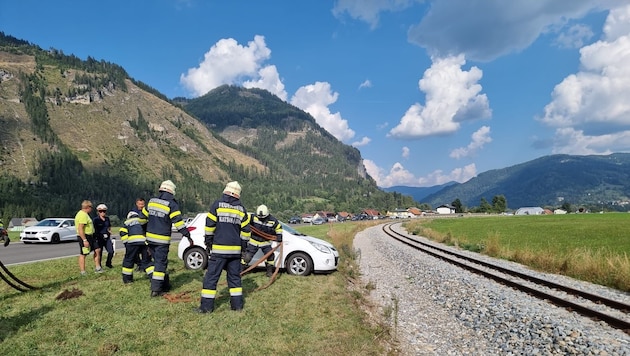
<point x="548" y="181"/>
<point x="73" y="129"/>
<point x="299" y="154"/>
<point x="418" y="193"/>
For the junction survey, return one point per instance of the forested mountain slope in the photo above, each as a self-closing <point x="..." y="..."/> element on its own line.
<point x="73" y="129"/>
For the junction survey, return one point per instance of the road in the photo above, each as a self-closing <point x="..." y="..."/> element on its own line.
<point x="20" y="253"/>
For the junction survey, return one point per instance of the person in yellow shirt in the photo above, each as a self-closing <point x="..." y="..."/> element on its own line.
<point x="85" y="237"/>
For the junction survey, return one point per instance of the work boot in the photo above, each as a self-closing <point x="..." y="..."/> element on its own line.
<point x="236" y="302"/>
<point x="269" y="270"/>
<point x="206" y="306"/>
<point x="157" y="293"/>
<point x="167" y="283"/>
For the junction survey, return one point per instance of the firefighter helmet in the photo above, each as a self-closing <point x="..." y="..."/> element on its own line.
<point x="262" y="211"/>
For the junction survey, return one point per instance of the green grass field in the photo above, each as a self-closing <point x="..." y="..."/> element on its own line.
<point x="314" y="315"/>
<point x="591" y="247"/>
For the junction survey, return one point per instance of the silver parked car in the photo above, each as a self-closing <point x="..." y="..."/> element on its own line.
<point x="50" y="230"/>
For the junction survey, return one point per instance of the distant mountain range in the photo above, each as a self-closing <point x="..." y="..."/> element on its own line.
<point x="418" y="193"/>
<point x="546" y="181"/>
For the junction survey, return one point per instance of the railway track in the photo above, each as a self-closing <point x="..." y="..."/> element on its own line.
<point x="613" y="312"/>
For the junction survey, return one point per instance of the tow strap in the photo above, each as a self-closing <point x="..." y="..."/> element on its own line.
<point x="280" y="245"/>
<point x="186" y="297"/>
<point x="7" y="276"/>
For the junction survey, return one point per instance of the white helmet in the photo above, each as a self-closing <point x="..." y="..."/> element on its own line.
<point x="233" y="189"/>
<point x="132" y="214"/>
<point x="101" y="207"/>
<point x="262" y="211"/>
<point x="168" y="186"/>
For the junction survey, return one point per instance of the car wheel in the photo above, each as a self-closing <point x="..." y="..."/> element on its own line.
<point x="55" y="239"/>
<point x="195" y="258"/>
<point x="299" y="264"/>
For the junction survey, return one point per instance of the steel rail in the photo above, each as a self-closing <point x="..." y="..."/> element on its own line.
<point x="579" y="308"/>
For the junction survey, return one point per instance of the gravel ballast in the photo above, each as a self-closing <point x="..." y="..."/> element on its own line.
<point x="435" y="308"/>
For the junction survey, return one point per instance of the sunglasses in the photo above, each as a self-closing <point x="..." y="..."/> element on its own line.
<point x="102" y="211"/>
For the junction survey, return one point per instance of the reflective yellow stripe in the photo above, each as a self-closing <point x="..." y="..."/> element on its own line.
<point x="236" y="291"/>
<point x="149" y="270"/>
<point x="127" y="271"/>
<point x="158" y="275"/>
<point x="157" y="206"/>
<point x="225" y="248"/>
<point x="259" y="243"/>
<point x="175" y="213"/>
<point x="208" y="293"/>
<point x="158" y="238"/>
<point x="134" y="237"/>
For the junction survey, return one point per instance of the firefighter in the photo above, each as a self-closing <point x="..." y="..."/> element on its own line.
<point x="226" y="234"/>
<point x="162" y="212"/>
<point x="132" y="235"/>
<point x="266" y="223"/>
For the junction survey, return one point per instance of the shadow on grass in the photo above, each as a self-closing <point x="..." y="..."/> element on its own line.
<point x="183" y="278"/>
<point x="12" y="325"/>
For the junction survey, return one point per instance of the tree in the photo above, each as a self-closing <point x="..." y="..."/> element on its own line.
<point x="566" y="207"/>
<point x="484" y="206"/>
<point x="499" y="204"/>
<point x="458" y="205"/>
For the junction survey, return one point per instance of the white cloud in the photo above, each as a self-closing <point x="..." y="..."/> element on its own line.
<point x="405" y="152"/>
<point x="575" y="36"/>
<point x="512" y="25"/>
<point x="315" y="99"/>
<point x="452" y="95"/>
<point x="228" y="62"/>
<point x="268" y="79"/>
<point x="383" y="125"/>
<point x="364" y="141"/>
<point x="575" y="142"/>
<point x="366" y="84"/>
<point x="369" y="10"/>
<point x="399" y="175"/>
<point x="479" y="139"/>
<point x="592" y="106"/>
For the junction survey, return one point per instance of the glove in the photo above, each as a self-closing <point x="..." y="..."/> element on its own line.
<point x="190" y="240"/>
<point x="278" y="239"/>
<point x="209" y="249"/>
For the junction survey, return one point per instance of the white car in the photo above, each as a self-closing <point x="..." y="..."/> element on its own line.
<point x="51" y="230"/>
<point x="302" y="254"/>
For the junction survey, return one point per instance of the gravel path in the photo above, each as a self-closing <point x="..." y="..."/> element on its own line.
<point x="438" y="309"/>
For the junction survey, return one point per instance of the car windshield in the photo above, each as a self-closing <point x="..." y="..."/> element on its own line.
<point x="49" y="222"/>
<point x="291" y="230"/>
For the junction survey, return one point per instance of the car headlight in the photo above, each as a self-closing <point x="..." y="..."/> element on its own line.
<point x="320" y="247"/>
<point x="44" y="232"/>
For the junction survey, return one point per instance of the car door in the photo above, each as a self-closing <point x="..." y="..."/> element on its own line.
<point x="67" y="230"/>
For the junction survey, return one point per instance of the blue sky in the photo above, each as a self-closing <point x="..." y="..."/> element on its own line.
<point x="428" y="91"/>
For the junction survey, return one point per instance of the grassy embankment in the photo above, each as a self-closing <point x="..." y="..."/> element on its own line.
<point x="314" y="315"/>
<point x="590" y="247"/>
